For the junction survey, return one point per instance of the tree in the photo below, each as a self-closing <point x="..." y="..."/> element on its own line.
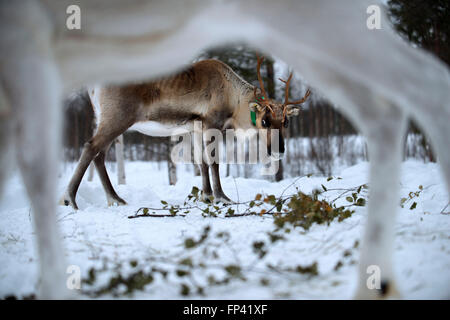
<point x="242" y="60"/>
<point x="425" y="23"/>
<point x="120" y="160"/>
<point x="171" y="166"/>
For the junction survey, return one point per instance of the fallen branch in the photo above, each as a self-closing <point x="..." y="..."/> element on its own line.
<point x="155" y="215"/>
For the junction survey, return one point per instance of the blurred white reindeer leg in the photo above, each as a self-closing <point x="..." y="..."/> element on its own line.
<point x="6" y="125"/>
<point x="385" y="141"/>
<point x="32" y="86"/>
<point x="383" y="124"/>
<point x="437" y="126"/>
<point x="38" y="111"/>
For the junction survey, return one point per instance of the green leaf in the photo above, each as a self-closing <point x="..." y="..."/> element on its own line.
<point x="272" y="199"/>
<point x="230" y="212"/>
<point x="189" y="243"/>
<point x="413" y="206"/>
<point x="186" y="262"/>
<point x="279" y="206"/>
<point x="349" y="199"/>
<point x="311" y="269"/>
<point x="133" y="263"/>
<point x="182" y="273"/>
<point x="258" y="245"/>
<point x="185" y="290"/>
<point x="195" y="191"/>
<point x="275" y="237"/>
<point x="233" y="270"/>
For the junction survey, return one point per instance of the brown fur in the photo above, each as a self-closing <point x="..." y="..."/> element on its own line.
<point x="201" y="91"/>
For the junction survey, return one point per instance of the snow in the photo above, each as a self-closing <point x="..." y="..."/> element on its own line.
<point x="97" y="234"/>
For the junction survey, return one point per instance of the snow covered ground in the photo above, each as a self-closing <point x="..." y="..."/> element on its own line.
<point x="104" y="238"/>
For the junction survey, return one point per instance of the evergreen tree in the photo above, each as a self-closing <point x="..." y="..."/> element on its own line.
<point x="242" y="60"/>
<point x="425" y="23"/>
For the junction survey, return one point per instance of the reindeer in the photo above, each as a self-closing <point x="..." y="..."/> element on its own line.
<point x="327" y="41"/>
<point x="208" y="91"/>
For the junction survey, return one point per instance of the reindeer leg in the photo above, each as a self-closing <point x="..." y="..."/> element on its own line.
<point x="86" y="157"/>
<point x="38" y="114"/>
<point x="102" y="139"/>
<point x="385" y="140"/>
<point x="440" y="142"/>
<point x="6" y="128"/>
<point x="39" y="165"/>
<point x="111" y="195"/>
<point x="436" y="126"/>
<point x="207" y="191"/>
<point x="204" y="168"/>
<point x="219" y="195"/>
<point x="31" y="88"/>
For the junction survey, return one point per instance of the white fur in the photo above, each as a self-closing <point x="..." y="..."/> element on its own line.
<point x="94" y="95"/>
<point x="277" y="155"/>
<point x="376" y="79"/>
<point x="158" y="129"/>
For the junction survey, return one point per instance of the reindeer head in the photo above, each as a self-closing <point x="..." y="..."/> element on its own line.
<point x="270" y="114"/>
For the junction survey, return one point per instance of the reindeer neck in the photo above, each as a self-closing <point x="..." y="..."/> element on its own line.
<point x="240" y="95"/>
<point x="241" y="114"/>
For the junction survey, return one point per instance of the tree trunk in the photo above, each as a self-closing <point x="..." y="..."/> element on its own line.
<point x="91" y="172"/>
<point x="271" y="93"/>
<point x="172" y="168"/>
<point x="120" y="160"/>
<point x="270" y="79"/>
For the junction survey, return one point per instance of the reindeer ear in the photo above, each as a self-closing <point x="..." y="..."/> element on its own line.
<point x="292" y="110"/>
<point x="255" y="107"/>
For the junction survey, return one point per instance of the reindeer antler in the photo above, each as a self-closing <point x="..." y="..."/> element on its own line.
<point x="261" y="83"/>
<point x="264" y="97"/>
<point x="286" y="94"/>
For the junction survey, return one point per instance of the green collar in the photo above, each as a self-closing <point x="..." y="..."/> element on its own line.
<point x="253" y="117"/>
<point x="253" y="114"/>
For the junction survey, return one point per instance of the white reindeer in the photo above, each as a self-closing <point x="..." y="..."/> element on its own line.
<point x="376" y="79"/>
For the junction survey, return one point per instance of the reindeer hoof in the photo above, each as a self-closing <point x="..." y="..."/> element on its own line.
<point x="388" y="290"/>
<point x="66" y="200"/>
<point x="207" y="198"/>
<point x="222" y="198"/>
<point x="116" y="201"/>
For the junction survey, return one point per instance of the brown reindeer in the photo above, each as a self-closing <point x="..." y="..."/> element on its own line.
<point x="208" y="91"/>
